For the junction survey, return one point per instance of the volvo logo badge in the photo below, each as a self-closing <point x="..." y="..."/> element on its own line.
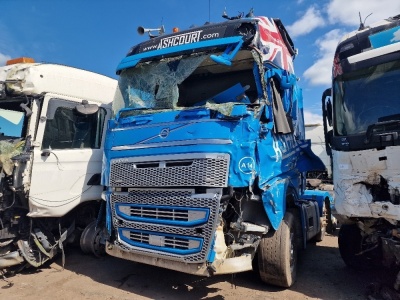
<point x="164" y="133"/>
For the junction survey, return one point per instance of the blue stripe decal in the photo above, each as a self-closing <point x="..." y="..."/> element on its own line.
<point x="131" y="61"/>
<point x="160" y="248"/>
<point x="163" y="221"/>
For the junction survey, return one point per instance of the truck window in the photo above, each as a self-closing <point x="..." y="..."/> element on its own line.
<point x="69" y="130"/>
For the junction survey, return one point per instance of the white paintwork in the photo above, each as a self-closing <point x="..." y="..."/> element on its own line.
<point x="315" y="133"/>
<point x="58" y="183"/>
<point x="35" y="79"/>
<point x="353" y="33"/>
<point x="352" y="198"/>
<point x="374" y="53"/>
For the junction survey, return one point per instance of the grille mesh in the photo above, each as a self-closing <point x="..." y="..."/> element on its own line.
<point x="182" y="198"/>
<point x="209" y="172"/>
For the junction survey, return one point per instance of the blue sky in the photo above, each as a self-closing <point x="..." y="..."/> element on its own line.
<point x="96" y="35"/>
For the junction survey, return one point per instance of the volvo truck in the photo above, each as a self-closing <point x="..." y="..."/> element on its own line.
<point x="364" y="109"/>
<point x="206" y="156"/>
<point x="52" y="125"/>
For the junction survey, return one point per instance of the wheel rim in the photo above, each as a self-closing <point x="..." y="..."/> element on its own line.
<point x="91" y="240"/>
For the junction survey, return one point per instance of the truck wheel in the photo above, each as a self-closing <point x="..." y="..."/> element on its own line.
<point x="91" y="241"/>
<point x="277" y="254"/>
<point x="350" y="245"/>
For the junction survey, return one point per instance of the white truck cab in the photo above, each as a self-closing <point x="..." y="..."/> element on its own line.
<point x="52" y="119"/>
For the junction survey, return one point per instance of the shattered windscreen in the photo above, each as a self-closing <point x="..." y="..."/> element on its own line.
<point x="11" y="132"/>
<point x="154" y="85"/>
<point x="185" y="82"/>
<point x="365" y="97"/>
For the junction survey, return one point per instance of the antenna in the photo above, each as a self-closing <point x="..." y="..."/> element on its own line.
<point x="362" y="26"/>
<point x="225" y="15"/>
<point x="250" y="14"/>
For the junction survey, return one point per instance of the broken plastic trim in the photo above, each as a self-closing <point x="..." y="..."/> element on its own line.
<point x="228" y="55"/>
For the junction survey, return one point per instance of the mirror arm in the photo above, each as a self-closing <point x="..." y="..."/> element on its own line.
<point x="228" y="55"/>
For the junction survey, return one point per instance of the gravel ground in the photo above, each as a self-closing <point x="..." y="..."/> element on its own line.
<point x="321" y="275"/>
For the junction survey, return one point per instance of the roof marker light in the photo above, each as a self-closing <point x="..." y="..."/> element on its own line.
<point x="20" y="60"/>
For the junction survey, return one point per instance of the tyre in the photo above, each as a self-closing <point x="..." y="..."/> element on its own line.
<point x="92" y="241"/>
<point x="277" y="254"/>
<point x="350" y="247"/>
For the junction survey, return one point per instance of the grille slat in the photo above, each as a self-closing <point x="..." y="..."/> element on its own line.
<point x="157" y="213"/>
<point x="186" y="243"/>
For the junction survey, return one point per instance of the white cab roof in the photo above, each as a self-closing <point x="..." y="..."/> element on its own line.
<point x="39" y="78"/>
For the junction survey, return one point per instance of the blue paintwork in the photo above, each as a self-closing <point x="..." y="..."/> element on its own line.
<point x="385" y="38"/>
<point x="228" y="55"/>
<point x="211" y="253"/>
<point x="257" y="154"/>
<point x="131" y="61"/>
<point x="318" y="196"/>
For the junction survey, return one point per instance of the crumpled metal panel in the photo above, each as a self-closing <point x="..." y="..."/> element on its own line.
<point x="273" y="200"/>
<point x="358" y="174"/>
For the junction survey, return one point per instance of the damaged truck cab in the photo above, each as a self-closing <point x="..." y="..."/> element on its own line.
<point x="205" y="158"/>
<point x="52" y="119"/>
<point x="365" y="144"/>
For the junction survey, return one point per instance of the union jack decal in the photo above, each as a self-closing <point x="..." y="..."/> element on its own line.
<point x="270" y="42"/>
<point x="337" y="67"/>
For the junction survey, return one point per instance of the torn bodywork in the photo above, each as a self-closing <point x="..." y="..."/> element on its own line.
<point x="364" y="143"/>
<point x="206" y="156"/>
<point x="51" y="125"/>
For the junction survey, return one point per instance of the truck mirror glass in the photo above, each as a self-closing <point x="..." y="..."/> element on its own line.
<point x="329" y="111"/>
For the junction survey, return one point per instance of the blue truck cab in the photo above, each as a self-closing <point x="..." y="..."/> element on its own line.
<point x="205" y="158"/>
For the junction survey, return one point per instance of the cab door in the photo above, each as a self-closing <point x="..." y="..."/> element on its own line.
<point x="67" y="158"/>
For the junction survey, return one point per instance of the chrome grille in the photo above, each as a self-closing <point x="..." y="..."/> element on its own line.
<point x="204" y="170"/>
<point x="184" y="199"/>
<point x="177" y="243"/>
<point x="161" y="213"/>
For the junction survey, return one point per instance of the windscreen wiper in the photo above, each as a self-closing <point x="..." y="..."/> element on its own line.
<point x="386" y="130"/>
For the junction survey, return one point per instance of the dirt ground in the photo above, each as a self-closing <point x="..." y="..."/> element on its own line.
<point x="321" y="275"/>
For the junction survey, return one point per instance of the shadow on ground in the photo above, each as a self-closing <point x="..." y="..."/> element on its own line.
<point x="321" y="274"/>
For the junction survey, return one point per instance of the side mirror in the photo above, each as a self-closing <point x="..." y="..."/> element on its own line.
<point x="46" y="152"/>
<point x="327" y="118"/>
<point x="329" y="111"/>
<point x="86" y="109"/>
